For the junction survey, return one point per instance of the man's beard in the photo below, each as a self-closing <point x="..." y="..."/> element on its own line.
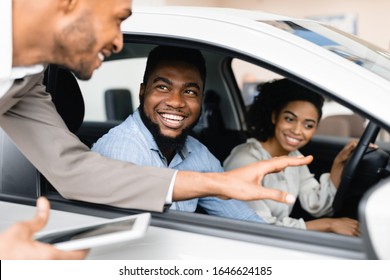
<point x="164" y="142"/>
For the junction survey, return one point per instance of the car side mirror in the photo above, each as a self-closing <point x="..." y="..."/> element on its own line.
<point x="374" y="214"/>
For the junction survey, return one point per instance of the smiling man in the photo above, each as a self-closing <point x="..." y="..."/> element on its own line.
<point x="157" y="134"/>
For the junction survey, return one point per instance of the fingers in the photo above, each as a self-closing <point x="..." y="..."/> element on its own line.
<point x="345" y="153"/>
<point x="254" y="174"/>
<point x="42" y="215"/>
<point x="72" y="255"/>
<point x="43" y="251"/>
<point x="277" y="195"/>
<point x="352" y="145"/>
<point x="277" y="164"/>
<point x="346" y="226"/>
<point x="354" y="226"/>
<point x="373" y="146"/>
<point x="349" y="147"/>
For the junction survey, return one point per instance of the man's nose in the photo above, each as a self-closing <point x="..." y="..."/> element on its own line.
<point x="118" y="42"/>
<point x="175" y="100"/>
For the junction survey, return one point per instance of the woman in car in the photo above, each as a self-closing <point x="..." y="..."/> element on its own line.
<point x="282" y="119"/>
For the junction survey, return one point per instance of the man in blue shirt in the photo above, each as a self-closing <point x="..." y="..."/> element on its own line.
<point x="157" y="134"/>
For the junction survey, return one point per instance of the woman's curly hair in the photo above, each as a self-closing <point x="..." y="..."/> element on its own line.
<point x="272" y="98"/>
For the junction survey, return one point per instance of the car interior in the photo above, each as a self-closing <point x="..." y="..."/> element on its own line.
<point x="221" y="127"/>
<point x="333" y="132"/>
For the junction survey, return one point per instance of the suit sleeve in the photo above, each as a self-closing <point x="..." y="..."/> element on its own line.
<point x="71" y="167"/>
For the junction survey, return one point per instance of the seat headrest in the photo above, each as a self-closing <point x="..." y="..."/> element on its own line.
<point x="69" y="100"/>
<point x="118" y="104"/>
<point x="348" y="125"/>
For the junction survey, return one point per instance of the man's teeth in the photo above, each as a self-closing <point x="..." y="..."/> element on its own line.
<point x="172" y="117"/>
<point x="101" y="56"/>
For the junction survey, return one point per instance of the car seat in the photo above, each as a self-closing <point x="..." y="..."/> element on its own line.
<point x="118" y="104"/>
<point x="68" y="99"/>
<point x="351" y="125"/>
<point x="211" y="130"/>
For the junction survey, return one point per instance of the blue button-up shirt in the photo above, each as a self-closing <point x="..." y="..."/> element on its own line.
<point x="131" y="141"/>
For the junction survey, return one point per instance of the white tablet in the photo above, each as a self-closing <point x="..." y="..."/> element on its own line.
<point x="99" y="234"/>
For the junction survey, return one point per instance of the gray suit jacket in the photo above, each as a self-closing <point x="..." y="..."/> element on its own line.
<point x="30" y="119"/>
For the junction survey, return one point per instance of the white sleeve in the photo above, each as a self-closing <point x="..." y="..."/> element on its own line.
<point x="316" y="197"/>
<point x="168" y="199"/>
<point x="280" y="218"/>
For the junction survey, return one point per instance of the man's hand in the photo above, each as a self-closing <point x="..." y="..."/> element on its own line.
<point x="244" y="183"/>
<point x="250" y="179"/>
<point x="16" y="243"/>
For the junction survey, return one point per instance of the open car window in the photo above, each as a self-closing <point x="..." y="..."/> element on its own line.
<point x="235" y="82"/>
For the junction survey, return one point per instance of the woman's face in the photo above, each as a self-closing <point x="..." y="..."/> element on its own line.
<point x="294" y="126"/>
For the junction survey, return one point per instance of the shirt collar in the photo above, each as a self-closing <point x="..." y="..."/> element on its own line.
<point x="6" y="39"/>
<point x="7" y="72"/>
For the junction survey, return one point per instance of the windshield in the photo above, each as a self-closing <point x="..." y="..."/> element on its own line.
<point x="341" y="43"/>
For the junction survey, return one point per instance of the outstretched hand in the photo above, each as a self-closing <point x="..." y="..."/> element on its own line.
<point x="245" y="183"/>
<point x="17" y="242"/>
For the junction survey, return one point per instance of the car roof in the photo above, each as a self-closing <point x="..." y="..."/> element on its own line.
<point x="184" y="17"/>
<point x="216" y="13"/>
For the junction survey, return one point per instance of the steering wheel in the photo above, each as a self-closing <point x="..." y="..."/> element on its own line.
<point x="351" y="166"/>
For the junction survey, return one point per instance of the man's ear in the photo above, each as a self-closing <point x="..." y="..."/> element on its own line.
<point x="68" y="5"/>
<point x="141" y="92"/>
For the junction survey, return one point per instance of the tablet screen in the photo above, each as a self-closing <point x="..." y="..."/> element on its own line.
<point x="105" y="229"/>
<point x="91" y="231"/>
<point x="98" y="234"/>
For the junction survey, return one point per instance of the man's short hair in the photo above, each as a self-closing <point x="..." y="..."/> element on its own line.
<point x="169" y="53"/>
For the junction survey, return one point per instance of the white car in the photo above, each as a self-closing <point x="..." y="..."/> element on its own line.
<point x="352" y="74"/>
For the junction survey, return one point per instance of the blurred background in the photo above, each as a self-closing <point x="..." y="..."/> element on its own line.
<point x="369" y="20"/>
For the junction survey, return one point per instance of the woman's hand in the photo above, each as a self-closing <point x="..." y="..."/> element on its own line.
<point x="345" y="226"/>
<point x="341" y="159"/>
<point x="339" y="162"/>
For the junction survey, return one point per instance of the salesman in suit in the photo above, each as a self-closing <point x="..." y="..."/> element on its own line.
<point x="36" y="33"/>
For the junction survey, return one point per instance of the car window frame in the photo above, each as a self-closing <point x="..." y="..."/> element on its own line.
<point x="288" y="238"/>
